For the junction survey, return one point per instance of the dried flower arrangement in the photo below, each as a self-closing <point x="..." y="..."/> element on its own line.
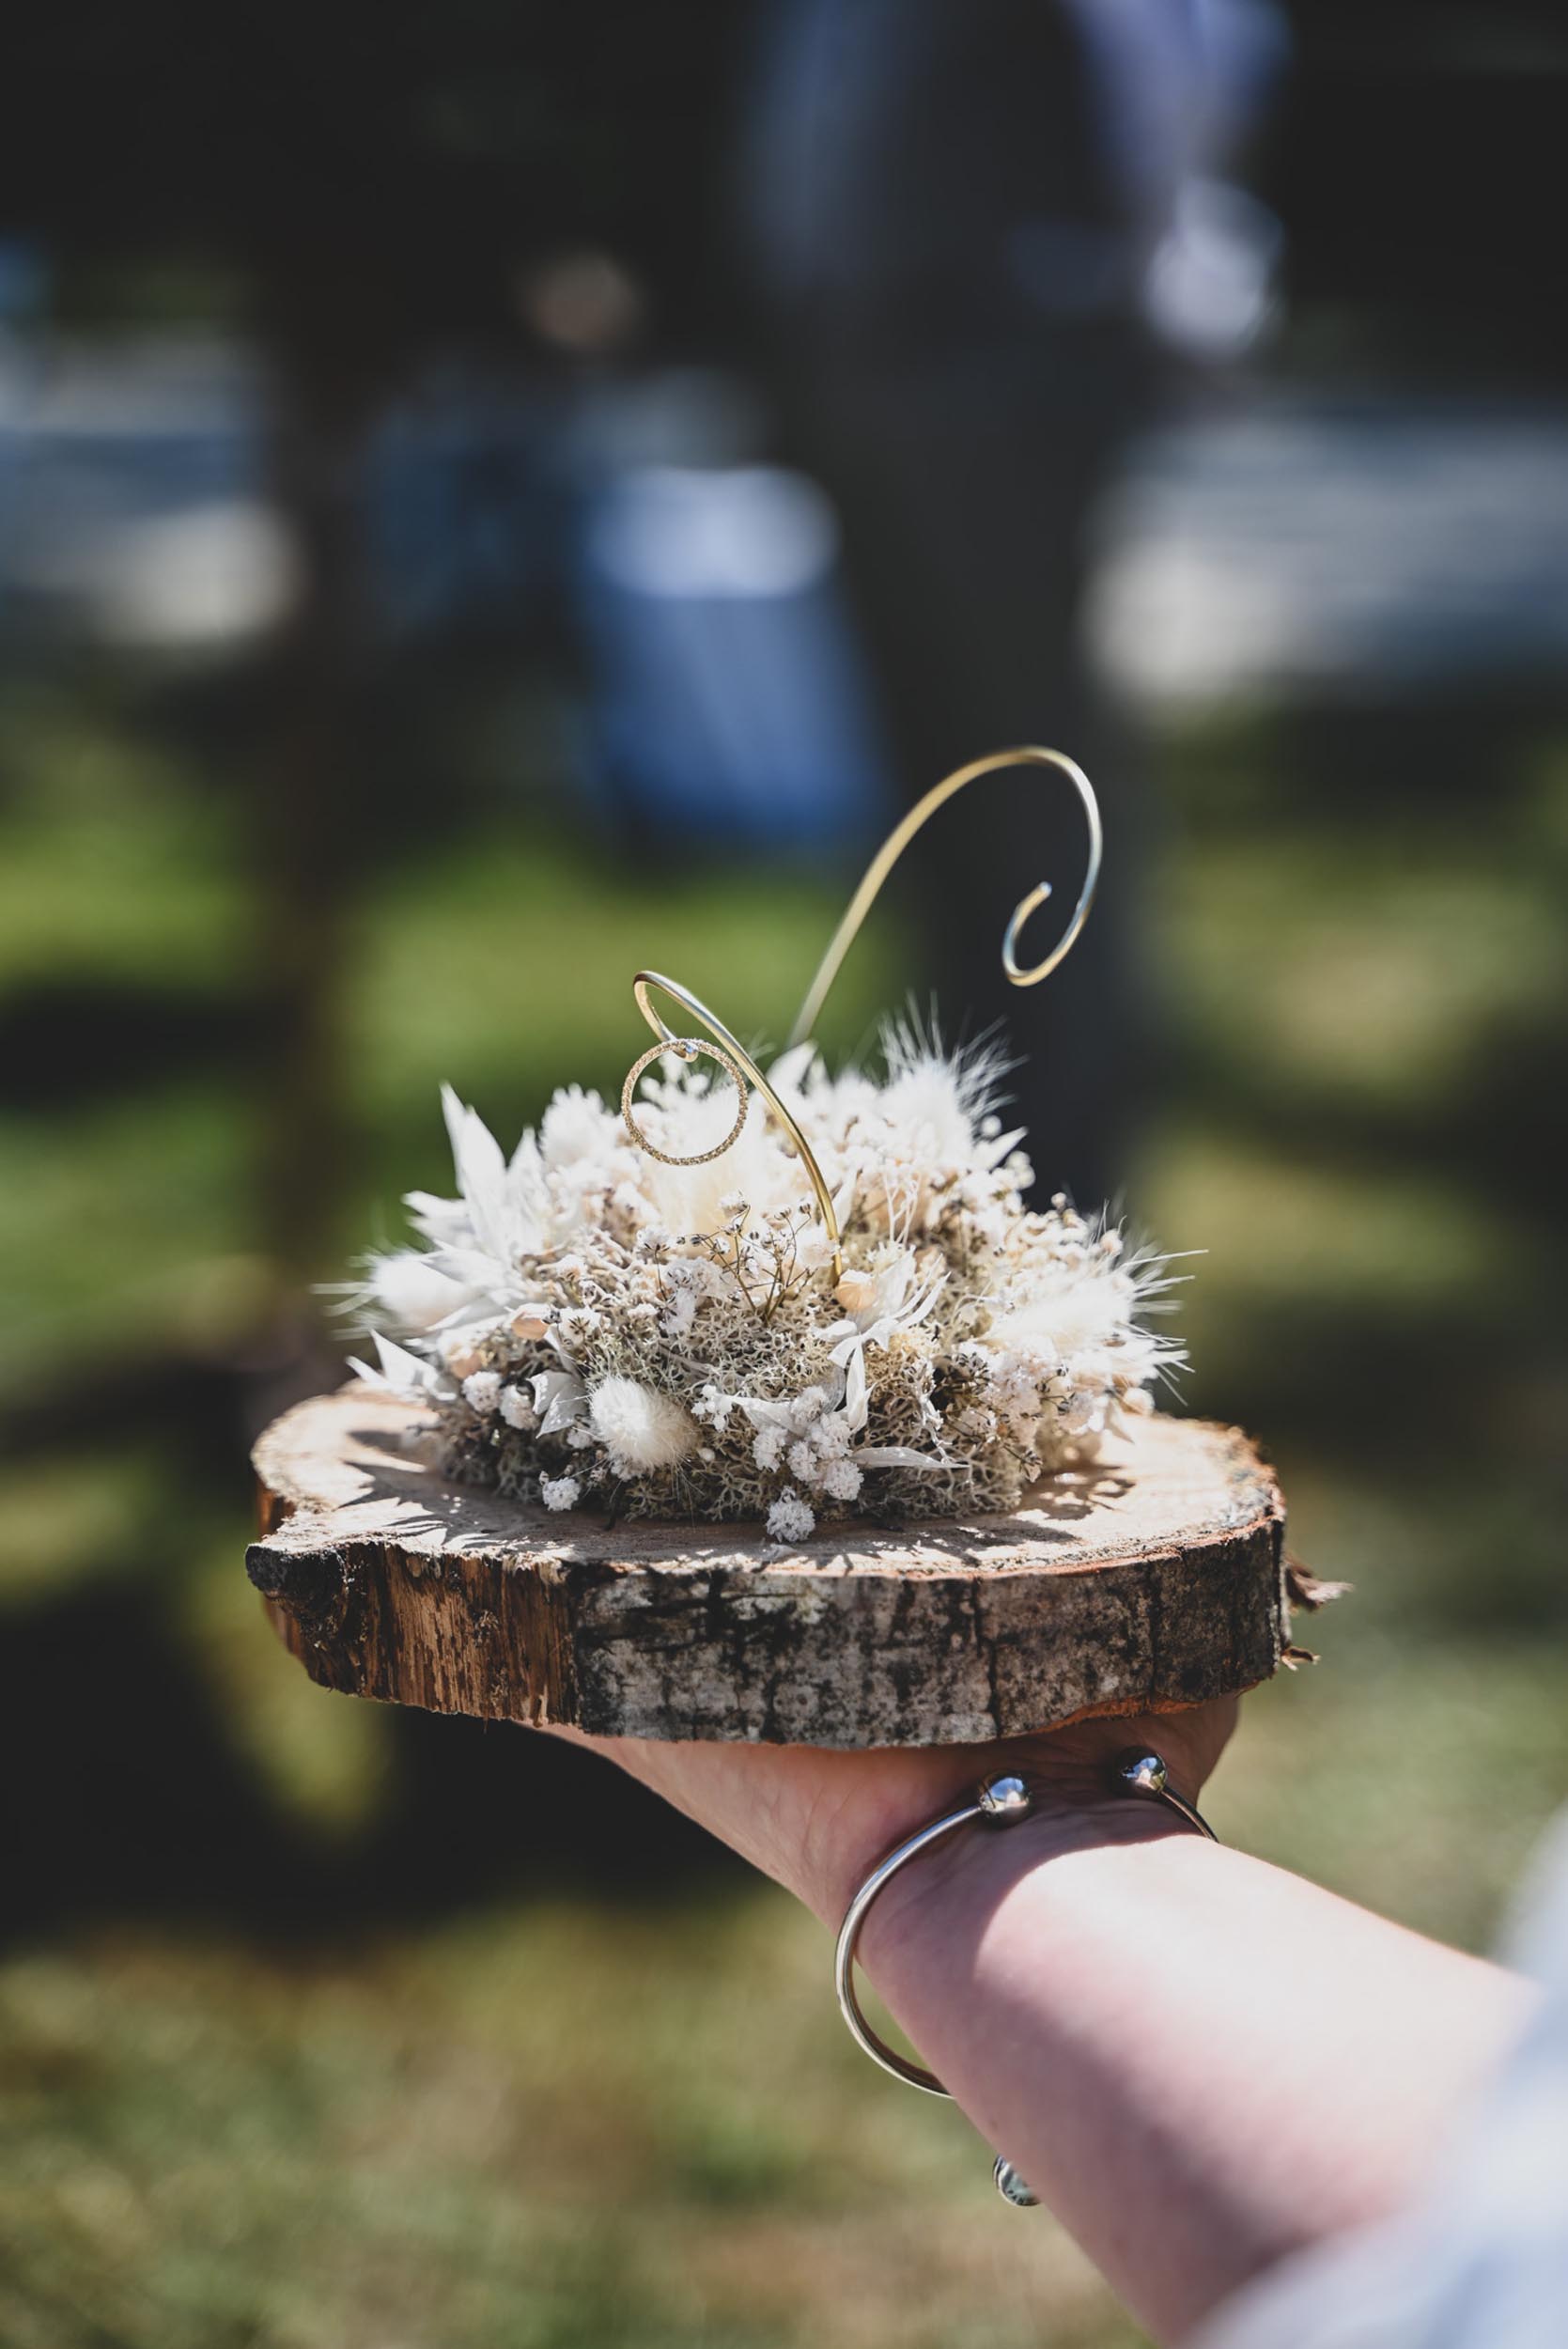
<point x="650" y="1314"/>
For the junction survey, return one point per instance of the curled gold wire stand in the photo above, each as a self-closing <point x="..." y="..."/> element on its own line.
<point x="744" y="1068"/>
<point x="898" y="840"/>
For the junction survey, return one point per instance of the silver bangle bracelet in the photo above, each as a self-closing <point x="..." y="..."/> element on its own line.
<point x="999" y="1801"/>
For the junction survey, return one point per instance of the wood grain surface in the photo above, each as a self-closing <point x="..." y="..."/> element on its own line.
<point x="1153" y="1578"/>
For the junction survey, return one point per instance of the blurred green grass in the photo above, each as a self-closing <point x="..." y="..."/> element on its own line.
<point x="578" y="2118"/>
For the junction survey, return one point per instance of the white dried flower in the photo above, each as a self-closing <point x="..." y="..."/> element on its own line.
<point x="578" y="1325"/>
<point x="680" y="1328"/>
<point x="1082" y="1414"/>
<point x="713" y="1406"/>
<point x="640" y="1427"/>
<point x="578" y="1130"/>
<point x="841" y="1479"/>
<point x="678" y="1315"/>
<point x="767" y="1447"/>
<point x="560" y="1398"/>
<point x="790" y="1518"/>
<point x="812" y="1248"/>
<point x="857" y="1291"/>
<point x="407" y="1289"/>
<point x="404" y="1373"/>
<point x="560" y="1493"/>
<point x="830" y="1435"/>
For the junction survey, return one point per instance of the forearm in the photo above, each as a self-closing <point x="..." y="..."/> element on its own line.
<point x="1198" y="2061"/>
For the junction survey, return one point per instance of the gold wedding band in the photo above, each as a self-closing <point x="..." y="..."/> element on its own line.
<point x="685" y="1048"/>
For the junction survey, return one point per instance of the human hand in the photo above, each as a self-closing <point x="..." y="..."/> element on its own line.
<point x="818" y="1820"/>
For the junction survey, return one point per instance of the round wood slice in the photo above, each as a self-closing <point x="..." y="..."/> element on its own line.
<point x="1155" y="1579"/>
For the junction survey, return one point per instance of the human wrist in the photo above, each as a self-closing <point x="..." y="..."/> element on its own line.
<point x="960" y="1882"/>
<point x="1073" y="1800"/>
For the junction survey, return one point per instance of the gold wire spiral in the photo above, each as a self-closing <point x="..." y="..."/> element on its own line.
<point x="734" y="1054"/>
<point x="898" y="840"/>
<point x="743" y="1066"/>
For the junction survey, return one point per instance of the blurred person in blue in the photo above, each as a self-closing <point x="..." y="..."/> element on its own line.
<point x="986" y="236"/>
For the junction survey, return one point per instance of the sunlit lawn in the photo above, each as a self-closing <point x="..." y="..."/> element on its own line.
<point x="570" y="2119"/>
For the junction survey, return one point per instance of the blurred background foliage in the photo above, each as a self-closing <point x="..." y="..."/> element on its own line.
<point x="329" y="372"/>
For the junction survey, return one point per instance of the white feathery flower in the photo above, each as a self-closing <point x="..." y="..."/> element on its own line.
<point x="578" y="1130"/>
<point x="560" y="1493"/>
<point x="683" y="1119"/>
<point x="924" y="1114"/>
<point x="641" y="1427"/>
<point x="1061" y="1316"/>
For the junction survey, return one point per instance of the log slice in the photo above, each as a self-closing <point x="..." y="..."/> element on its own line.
<point x="1151" y="1579"/>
